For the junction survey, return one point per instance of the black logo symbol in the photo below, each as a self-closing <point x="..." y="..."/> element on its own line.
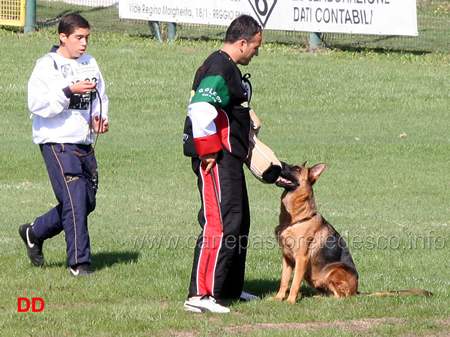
<point x="263" y="9"/>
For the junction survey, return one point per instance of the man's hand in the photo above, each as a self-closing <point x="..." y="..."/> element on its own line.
<point x="100" y="126"/>
<point x="209" y="160"/>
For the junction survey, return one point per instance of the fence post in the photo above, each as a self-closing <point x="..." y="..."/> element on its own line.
<point x="315" y="41"/>
<point x="172" y="29"/>
<point x="30" y="17"/>
<point x="155" y="29"/>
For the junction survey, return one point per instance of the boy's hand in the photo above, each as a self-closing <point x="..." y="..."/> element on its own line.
<point x="82" y="87"/>
<point x="100" y="126"/>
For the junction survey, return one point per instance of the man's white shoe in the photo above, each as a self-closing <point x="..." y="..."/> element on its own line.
<point x="248" y="297"/>
<point x="205" y="304"/>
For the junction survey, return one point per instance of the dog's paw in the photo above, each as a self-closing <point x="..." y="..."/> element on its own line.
<point x="291" y="300"/>
<point x="276" y="298"/>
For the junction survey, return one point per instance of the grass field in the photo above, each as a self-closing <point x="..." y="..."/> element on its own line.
<point x="379" y="120"/>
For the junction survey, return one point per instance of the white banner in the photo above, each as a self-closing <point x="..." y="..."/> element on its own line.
<point x="383" y="17"/>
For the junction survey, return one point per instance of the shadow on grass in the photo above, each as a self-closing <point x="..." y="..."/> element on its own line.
<point x="269" y="288"/>
<point x="102" y="260"/>
<point x="380" y="50"/>
<point x="366" y="45"/>
<point x="108" y="259"/>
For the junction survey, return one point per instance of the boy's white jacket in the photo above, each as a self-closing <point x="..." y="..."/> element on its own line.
<point x="55" y="118"/>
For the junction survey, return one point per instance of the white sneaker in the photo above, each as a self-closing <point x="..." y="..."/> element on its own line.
<point x="248" y="297"/>
<point x="205" y="304"/>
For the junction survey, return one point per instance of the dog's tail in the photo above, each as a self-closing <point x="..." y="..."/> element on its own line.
<point x="398" y="292"/>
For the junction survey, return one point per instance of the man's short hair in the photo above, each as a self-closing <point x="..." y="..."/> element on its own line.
<point x="71" y="22"/>
<point x="243" y="27"/>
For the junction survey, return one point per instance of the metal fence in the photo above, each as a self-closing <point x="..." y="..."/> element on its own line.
<point x="433" y="18"/>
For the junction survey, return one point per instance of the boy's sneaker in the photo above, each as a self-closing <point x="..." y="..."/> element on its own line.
<point x="245" y="297"/>
<point x="34" y="245"/>
<point x="205" y="304"/>
<point x="83" y="269"/>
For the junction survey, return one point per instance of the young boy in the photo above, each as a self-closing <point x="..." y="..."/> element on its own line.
<point x="68" y="105"/>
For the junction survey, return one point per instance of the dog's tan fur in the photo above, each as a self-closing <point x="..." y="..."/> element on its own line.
<point x="310" y="245"/>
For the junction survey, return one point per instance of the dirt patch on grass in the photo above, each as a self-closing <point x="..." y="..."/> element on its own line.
<point x="355" y="326"/>
<point x="444" y="322"/>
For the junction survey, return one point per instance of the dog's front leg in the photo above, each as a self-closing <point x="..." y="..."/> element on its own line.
<point x="285" y="278"/>
<point x="300" y="269"/>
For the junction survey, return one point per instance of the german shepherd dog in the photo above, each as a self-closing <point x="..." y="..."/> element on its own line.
<point x="310" y="245"/>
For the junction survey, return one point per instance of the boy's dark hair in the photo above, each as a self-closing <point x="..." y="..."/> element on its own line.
<point x="70" y="22"/>
<point x="243" y="27"/>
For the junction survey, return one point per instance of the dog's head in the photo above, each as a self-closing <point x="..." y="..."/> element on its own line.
<point x="293" y="176"/>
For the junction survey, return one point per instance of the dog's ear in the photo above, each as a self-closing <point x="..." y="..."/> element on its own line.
<point x="316" y="171"/>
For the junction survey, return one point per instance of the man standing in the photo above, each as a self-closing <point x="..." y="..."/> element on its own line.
<point x="68" y="104"/>
<point x="217" y="138"/>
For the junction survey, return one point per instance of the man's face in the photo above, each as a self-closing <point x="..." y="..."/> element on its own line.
<point x="74" y="45"/>
<point x="250" y="49"/>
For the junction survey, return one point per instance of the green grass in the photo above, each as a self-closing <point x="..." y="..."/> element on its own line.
<point x="379" y="120"/>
